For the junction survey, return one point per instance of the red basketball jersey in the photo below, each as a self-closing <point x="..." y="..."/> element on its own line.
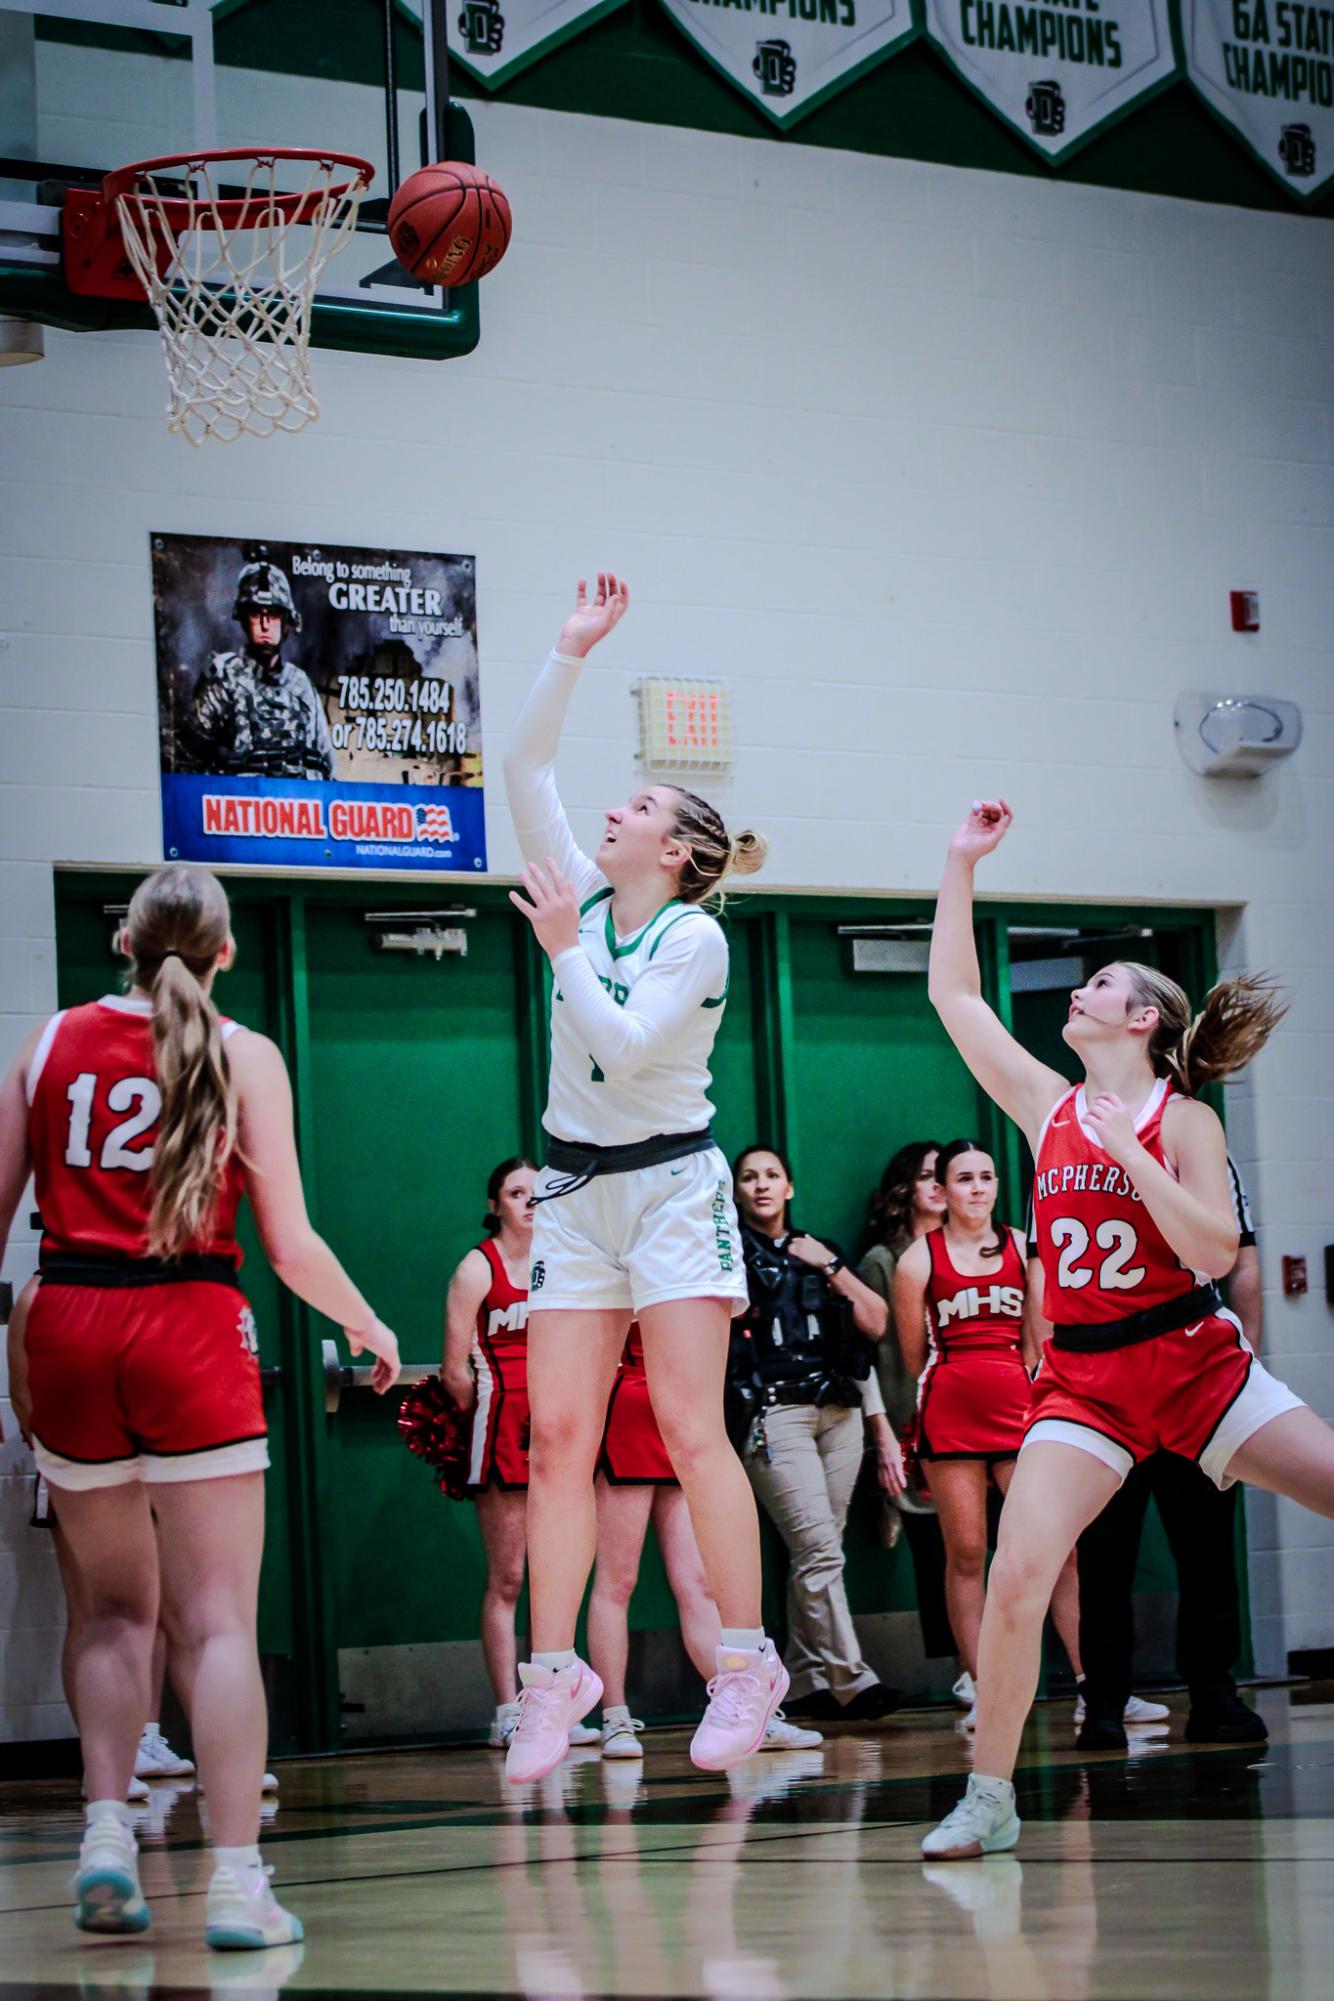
<point x="975" y="1310"/>
<point x="1103" y="1256"/>
<point x="502" y="1317"/>
<point x="93" y="1107"/>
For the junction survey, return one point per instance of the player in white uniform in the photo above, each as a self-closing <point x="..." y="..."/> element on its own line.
<point x="634" y="1208"/>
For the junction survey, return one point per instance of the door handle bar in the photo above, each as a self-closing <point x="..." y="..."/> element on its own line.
<point x="340" y="1375"/>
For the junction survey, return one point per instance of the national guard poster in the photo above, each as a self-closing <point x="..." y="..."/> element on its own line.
<point x="318" y="707"/>
<point x="787" y="56"/>
<point x="1057" y="71"/>
<point x="1266" y="68"/>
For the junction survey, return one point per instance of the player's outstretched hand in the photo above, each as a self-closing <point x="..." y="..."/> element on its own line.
<point x="383" y="1344"/>
<point x="985" y="828"/>
<point x="593" y="618"/>
<point x="551" y="907"/>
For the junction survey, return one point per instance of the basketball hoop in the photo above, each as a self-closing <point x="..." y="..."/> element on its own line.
<point x="230" y="267"/>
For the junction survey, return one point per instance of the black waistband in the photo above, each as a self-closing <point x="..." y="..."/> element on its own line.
<point x="1184" y="1311"/>
<point x="580" y="1161"/>
<point x="107" y="1270"/>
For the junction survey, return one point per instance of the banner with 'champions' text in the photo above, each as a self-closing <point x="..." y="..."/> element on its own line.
<point x="318" y="706"/>
<point x="1266" y="68"/>
<point x="1057" y="71"/>
<point x="787" y="56"/>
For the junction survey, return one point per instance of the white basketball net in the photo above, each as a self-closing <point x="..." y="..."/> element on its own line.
<point x="233" y="297"/>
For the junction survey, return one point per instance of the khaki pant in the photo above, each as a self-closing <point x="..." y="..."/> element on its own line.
<point x="805" y="1487"/>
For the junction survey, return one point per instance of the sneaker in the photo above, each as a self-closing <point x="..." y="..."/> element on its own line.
<point x="106" y="1883"/>
<point x="1102" y="1733"/>
<point x="817" y="1707"/>
<point x="969" y="1721"/>
<point x="983" y="1823"/>
<point x="1136" y="1711"/>
<point x="620" y="1734"/>
<point x="242" y="1913"/>
<point x="136" y="1793"/>
<point x="743" y="1695"/>
<point x="964" y="1691"/>
<point x="870" y="1705"/>
<point x="780" y="1735"/>
<point x="503" y="1725"/>
<point x="1221" y="1717"/>
<point x="551" y="1702"/>
<point x="155" y="1758"/>
<point x="582" y="1735"/>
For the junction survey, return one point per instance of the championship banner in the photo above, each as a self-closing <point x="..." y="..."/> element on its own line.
<point x="1057" y="71"/>
<point x="787" y="56"/>
<point x="1266" y="68"/>
<point x="494" y="39"/>
<point x="318" y="707"/>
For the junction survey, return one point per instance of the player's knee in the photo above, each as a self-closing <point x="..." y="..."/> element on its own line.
<point x="693" y="1438"/>
<point x="615" y="1583"/>
<point x="968" y="1558"/>
<point x="505" y="1582"/>
<point x="562" y="1448"/>
<point x="1021" y="1579"/>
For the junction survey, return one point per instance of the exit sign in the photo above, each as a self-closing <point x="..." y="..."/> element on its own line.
<point x="684" y="724"/>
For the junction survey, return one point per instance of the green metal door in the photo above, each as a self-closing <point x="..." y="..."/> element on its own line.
<point x="415" y="1088"/>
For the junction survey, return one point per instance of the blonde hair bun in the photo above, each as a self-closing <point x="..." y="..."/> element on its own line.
<point x="749" y="852"/>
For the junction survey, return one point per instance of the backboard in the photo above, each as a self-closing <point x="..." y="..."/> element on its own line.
<point x="89" y="85"/>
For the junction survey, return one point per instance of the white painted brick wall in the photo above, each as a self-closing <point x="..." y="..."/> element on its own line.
<point x="949" y="472"/>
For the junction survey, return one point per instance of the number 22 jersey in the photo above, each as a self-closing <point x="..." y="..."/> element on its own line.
<point x="1103" y="1256"/>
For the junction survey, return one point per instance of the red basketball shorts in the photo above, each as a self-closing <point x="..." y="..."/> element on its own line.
<point x="633" y="1454"/>
<point x="1198" y="1391"/>
<point x="500" y="1419"/>
<point x="149" y="1382"/>
<point x="972" y="1404"/>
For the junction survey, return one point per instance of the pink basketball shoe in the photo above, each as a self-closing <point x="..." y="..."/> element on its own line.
<point x="748" y="1687"/>
<point x="551" y="1702"/>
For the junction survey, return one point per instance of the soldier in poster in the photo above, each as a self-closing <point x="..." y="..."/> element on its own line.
<point x="252" y="711"/>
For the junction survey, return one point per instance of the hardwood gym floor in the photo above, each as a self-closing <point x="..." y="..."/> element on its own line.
<point x="1178" y="1873"/>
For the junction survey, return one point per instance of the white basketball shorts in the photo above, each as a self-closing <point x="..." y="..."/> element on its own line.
<point x="638" y="1239"/>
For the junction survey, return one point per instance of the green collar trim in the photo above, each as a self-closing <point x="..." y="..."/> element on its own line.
<point x="590" y="903"/>
<point x="633" y="944"/>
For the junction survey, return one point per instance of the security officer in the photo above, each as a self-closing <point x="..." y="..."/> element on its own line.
<point x="254" y="712"/>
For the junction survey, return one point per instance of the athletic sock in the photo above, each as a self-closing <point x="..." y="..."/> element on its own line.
<point x="616" y="1712"/>
<point x="566" y="1658"/>
<point x="241" y="1859"/>
<point x="743" y="1639"/>
<point x="108" y="1810"/>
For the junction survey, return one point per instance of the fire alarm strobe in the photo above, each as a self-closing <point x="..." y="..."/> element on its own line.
<point x="1245" y="610"/>
<point x="1235" y="736"/>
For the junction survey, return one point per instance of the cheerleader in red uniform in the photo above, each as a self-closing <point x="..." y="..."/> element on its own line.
<point x="635" y="1487"/>
<point x="959" y="1308"/>
<point x="1135" y="1226"/>
<point x="486" y="1372"/>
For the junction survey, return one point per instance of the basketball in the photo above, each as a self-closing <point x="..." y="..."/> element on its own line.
<point x="449" y="224"/>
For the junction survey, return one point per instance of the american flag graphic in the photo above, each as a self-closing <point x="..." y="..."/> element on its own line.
<point x="434" y="824"/>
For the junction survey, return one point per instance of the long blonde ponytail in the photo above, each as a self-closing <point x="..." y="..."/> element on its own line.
<point x="177" y="924"/>
<point x="1238" y="1017"/>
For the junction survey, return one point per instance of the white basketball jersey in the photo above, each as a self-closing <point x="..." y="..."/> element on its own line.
<point x="670" y="1094"/>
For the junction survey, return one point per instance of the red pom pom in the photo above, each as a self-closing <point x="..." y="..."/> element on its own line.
<point x="436" y="1430"/>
